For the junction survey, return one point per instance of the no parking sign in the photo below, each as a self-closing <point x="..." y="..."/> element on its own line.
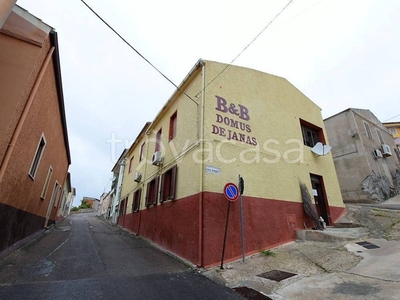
<point x="231" y="191"/>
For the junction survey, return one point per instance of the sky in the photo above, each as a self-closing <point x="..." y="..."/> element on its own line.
<point x="339" y="53"/>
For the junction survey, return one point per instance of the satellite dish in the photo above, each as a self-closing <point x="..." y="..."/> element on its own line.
<point x="320" y="149"/>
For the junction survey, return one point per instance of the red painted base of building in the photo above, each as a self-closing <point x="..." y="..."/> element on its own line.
<point x="175" y="225"/>
<point x="16" y="224"/>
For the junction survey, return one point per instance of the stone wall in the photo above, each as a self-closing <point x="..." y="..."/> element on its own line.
<point x="396" y="181"/>
<point x="377" y="186"/>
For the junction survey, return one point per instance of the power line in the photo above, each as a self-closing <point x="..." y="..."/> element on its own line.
<point x="248" y="45"/>
<point x="105" y="187"/>
<point x="391" y="118"/>
<point x="296" y="16"/>
<point x="138" y="53"/>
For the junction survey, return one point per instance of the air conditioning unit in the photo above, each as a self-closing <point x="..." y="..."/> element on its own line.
<point x="377" y="153"/>
<point x="137" y="177"/>
<point x="386" y="150"/>
<point x="157" y="159"/>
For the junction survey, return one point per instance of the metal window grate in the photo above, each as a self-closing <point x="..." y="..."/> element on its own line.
<point x="276" y="275"/>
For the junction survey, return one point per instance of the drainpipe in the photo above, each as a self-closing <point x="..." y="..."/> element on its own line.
<point x="25" y="111"/>
<point x="201" y="197"/>
<point x="144" y="176"/>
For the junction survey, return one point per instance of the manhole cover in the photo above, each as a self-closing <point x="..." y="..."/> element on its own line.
<point x="276" y="275"/>
<point x="367" y="245"/>
<point x="250" y="294"/>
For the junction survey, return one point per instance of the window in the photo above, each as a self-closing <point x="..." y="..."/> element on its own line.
<point x="142" y="151"/>
<point x="168" y="185"/>
<point x="158" y="140"/>
<point x="172" y="126"/>
<point x="37" y="157"/>
<point x="123" y="207"/>
<point x="46" y="183"/>
<point x="368" y="130"/>
<point x="378" y="133"/>
<point x="136" y="200"/>
<point x="152" y="192"/>
<point x="131" y="164"/>
<point x="311" y="134"/>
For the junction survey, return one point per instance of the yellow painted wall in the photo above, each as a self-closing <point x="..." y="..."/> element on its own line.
<point x="396" y="127"/>
<point x="273" y="170"/>
<point x="179" y="150"/>
<point x="275" y="107"/>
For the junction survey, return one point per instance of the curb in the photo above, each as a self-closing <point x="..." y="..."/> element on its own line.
<point x="6" y="252"/>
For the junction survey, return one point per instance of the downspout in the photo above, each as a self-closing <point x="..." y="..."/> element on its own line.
<point x="201" y="196"/>
<point x="144" y="176"/>
<point x="25" y="111"/>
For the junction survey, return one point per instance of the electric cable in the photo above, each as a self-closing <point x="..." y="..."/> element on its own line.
<point x="248" y="45"/>
<point x="137" y="52"/>
<point x="391" y="118"/>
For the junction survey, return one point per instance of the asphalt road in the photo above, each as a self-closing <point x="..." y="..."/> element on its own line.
<point x="86" y="258"/>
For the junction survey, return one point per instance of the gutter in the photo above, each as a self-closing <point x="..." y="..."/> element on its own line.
<point x="57" y="73"/>
<point x="201" y="197"/>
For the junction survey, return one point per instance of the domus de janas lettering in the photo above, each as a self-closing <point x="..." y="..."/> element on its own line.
<point x="212" y="129"/>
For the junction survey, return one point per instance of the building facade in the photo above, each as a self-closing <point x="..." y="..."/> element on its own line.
<point x="6" y="7"/>
<point x="394" y="129"/>
<point x="363" y="152"/>
<point x="212" y="129"/>
<point x="70" y="201"/>
<point x="105" y="205"/>
<point x="66" y="190"/>
<point x="116" y="186"/>
<point x="94" y="203"/>
<point x="34" y="149"/>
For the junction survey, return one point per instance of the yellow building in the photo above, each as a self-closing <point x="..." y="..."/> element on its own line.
<point x="394" y="128"/>
<point x="213" y="128"/>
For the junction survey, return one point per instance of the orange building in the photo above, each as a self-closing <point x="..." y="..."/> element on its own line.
<point x="34" y="149"/>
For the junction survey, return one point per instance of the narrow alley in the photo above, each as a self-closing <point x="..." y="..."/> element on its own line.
<point x="83" y="257"/>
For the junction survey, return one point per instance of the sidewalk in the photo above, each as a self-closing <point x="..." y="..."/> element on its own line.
<point x="338" y="269"/>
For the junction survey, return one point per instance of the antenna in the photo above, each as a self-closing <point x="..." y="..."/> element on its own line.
<point x="320" y="149"/>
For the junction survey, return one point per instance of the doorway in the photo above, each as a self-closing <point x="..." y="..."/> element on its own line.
<point x="50" y="207"/>
<point x="321" y="203"/>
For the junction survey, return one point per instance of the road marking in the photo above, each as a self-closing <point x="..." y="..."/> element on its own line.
<point x="58" y="247"/>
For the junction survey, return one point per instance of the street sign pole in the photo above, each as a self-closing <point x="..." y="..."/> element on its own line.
<point x="226" y="230"/>
<point x="231" y="193"/>
<point x="241" y="188"/>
